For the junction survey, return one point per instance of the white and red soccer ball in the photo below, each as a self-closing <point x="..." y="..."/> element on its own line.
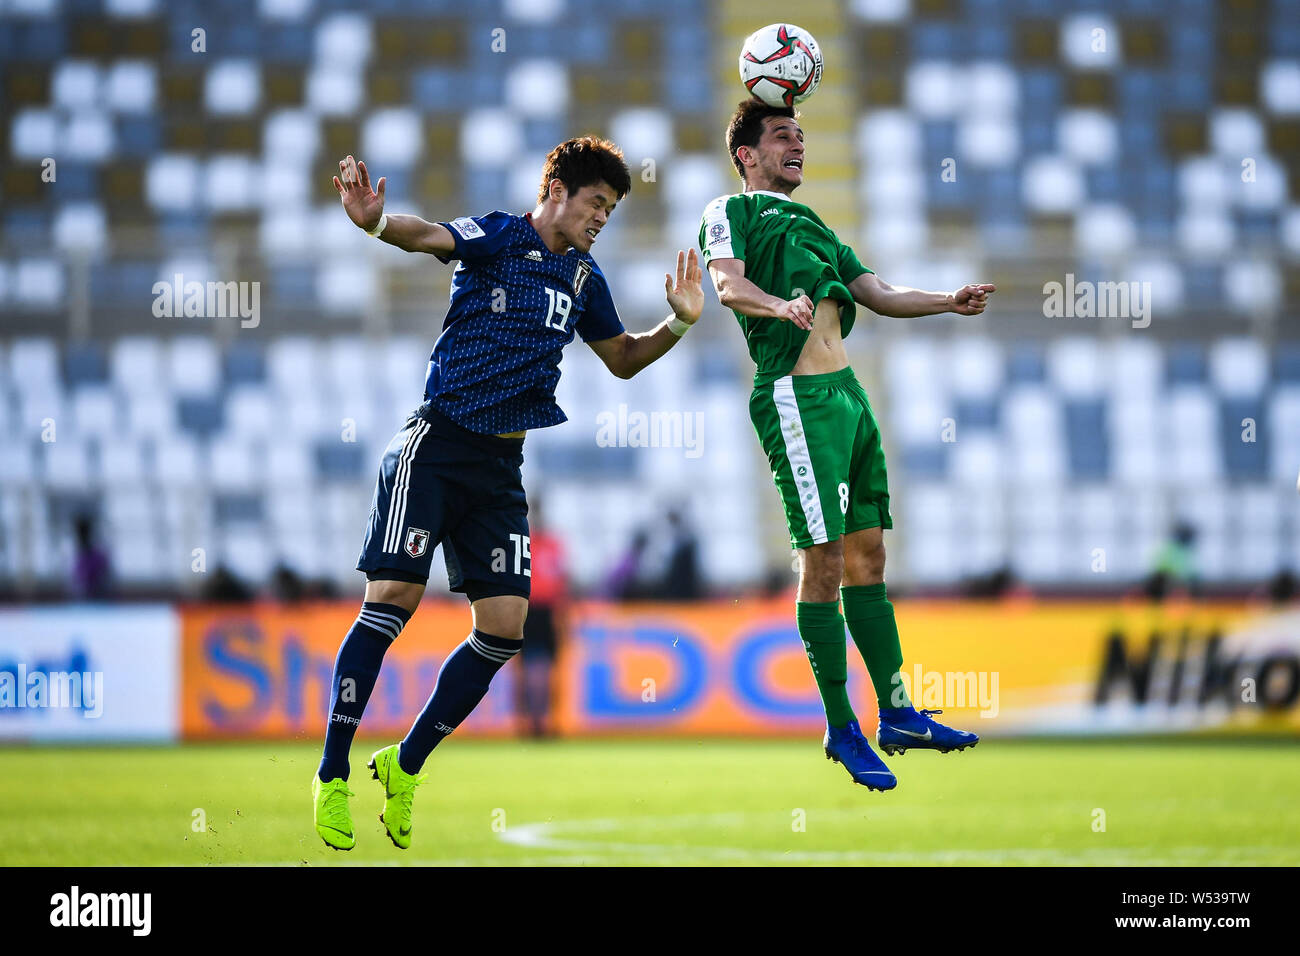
<point x="781" y="64"/>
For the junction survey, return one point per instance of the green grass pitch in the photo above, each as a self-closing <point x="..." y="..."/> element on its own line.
<point x="666" y="803"/>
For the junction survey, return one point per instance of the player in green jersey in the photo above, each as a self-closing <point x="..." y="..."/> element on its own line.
<point x="794" y="288"/>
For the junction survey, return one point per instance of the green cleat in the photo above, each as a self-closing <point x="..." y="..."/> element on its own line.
<point x="399" y="791"/>
<point x="331" y="814"/>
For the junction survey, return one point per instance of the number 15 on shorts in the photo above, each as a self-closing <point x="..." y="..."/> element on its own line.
<point x="520" y="550"/>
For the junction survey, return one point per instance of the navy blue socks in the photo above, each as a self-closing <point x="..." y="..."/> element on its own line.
<point x="462" y="683"/>
<point x="355" y="671"/>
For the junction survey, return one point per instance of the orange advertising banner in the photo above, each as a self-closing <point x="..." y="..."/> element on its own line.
<point x="739" y="668"/>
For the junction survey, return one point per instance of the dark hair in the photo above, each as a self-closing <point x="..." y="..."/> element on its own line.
<point x="746" y="127"/>
<point x="585" y="161"/>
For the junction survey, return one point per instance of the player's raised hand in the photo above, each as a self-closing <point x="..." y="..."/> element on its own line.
<point x="971" y="299"/>
<point x="363" y="205"/>
<point x="686" y="295"/>
<point x="799" y="311"/>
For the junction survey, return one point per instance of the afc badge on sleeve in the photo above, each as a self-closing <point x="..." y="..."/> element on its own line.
<point x="467" y="228"/>
<point x="417" y="542"/>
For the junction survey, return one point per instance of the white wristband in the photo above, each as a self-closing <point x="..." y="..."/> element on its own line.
<point x="379" y="227"/>
<point x="677" y="327"/>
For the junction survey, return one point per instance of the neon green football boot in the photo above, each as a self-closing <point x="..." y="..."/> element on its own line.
<point x="399" y="791"/>
<point x="332" y="816"/>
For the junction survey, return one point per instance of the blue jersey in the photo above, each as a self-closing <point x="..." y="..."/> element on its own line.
<point x="515" y="305"/>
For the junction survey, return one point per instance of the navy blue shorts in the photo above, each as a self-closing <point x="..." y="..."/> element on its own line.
<point x="440" y="483"/>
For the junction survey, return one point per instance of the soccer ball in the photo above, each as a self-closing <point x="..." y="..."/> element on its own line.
<point x="781" y="64"/>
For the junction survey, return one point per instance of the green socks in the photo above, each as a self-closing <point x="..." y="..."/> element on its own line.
<point x="870" y="617"/>
<point x="822" y="630"/>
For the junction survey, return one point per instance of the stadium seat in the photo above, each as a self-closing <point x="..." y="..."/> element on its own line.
<point x="177" y="462"/>
<point x="67" y="465"/>
<point x="121" y="463"/>
<point x="1253" y="287"/>
<point x="287" y="464"/>
<point x="934" y="560"/>
<point x="248" y="554"/>
<point x="1192" y="435"/>
<point x="9" y="421"/>
<point x="1282" y="425"/>
<point x="236" y="466"/>
<point x="95" y="411"/>
<point x="224" y="184"/>
<point x="232" y="86"/>
<point x="337" y="461"/>
<point x="193" y="367"/>
<point x="43" y="414"/>
<point x="237" y="508"/>
<point x="977" y="458"/>
<point x="151" y="414"/>
<point x="1086" y="439"/>
<point x="392" y="136"/>
<point x="305" y="416"/>
<point x="34" y="365"/>
<point x="244" y="365"/>
<point x="18" y="465"/>
<point x="346" y="286"/>
<point x="251" y="411"/>
<point x="84" y="363"/>
<point x="136" y="364"/>
<point x="1075" y="367"/>
<point x="172" y="182"/>
<point x="136" y="560"/>
<point x="80" y="228"/>
<point x="131" y="86"/>
<point x="200" y="416"/>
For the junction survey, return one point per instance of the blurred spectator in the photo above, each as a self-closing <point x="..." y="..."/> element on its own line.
<point x="624" y="582"/>
<point x="91" y="570"/>
<point x="991" y="586"/>
<point x="659" y="566"/>
<point x="224" y="588"/>
<point x="779" y="580"/>
<point x="547" y="609"/>
<point x="286" y="585"/>
<point x="1282" y="588"/>
<point x="1175" y="565"/>
<point x="322" y="589"/>
<point x="681" y="581"/>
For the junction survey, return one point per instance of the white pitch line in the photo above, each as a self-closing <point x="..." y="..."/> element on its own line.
<point x="549" y="844"/>
<point x="548" y="836"/>
<point x="673" y="855"/>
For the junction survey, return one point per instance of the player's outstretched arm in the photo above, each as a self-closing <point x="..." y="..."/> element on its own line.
<point x="365" y="207"/>
<point x="900" y="302"/>
<point x="626" y="354"/>
<point x="737" y="292"/>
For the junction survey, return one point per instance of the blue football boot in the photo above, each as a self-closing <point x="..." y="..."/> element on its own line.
<point x="846" y="745"/>
<point x="903" y="729"/>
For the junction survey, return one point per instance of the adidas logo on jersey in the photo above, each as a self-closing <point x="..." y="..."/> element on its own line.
<point x="534" y="254"/>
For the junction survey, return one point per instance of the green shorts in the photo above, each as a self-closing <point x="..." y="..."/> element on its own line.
<point x="823" y="445"/>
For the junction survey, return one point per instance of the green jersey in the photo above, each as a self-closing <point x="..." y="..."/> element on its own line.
<point x="788" y="251"/>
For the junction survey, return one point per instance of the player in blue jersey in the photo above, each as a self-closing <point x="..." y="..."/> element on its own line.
<point x="523" y="287"/>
